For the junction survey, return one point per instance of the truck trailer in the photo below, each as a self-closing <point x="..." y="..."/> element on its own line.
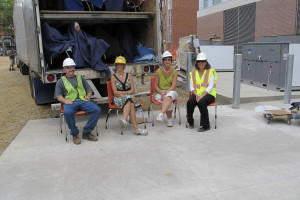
<point x="48" y="31"/>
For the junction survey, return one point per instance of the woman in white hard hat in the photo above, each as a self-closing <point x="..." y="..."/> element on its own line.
<point x="123" y="88"/>
<point x="165" y="84"/>
<point x="203" y="91"/>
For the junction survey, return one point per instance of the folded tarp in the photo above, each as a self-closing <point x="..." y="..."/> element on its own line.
<point x="73" y="5"/>
<point x="116" y="5"/>
<point x="54" y="42"/>
<point x="88" y="50"/>
<point x="97" y="3"/>
<point x="128" y="42"/>
<point x="145" y="55"/>
<point x="77" y="5"/>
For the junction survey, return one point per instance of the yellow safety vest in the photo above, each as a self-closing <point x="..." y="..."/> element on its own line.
<point x="72" y="92"/>
<point x="200" y="85"/>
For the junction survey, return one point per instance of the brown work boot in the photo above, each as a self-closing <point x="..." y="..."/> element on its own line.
<point x="76" y="139"/>
<point x="89" y="136"/>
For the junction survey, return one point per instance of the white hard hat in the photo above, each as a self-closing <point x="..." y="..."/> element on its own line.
<point x="166" y="54"/>
<point x="68" y="62"/>
<point x="201" y="57"/>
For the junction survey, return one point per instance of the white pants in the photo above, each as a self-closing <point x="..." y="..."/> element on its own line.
<point x="172" y="94"/>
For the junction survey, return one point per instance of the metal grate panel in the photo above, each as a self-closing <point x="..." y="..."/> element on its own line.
<point x="239" y="26"/>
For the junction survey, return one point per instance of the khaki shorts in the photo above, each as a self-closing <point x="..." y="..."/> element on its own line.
<point x="172" y="94"/>
<point x="12" y="61"/>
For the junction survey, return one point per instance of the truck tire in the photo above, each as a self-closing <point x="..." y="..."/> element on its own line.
<point x="19" y="62"/>
<point x="24" y="69"/>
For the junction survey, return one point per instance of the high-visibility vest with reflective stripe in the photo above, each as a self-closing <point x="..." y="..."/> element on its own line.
<point x="72" y="92"/>
<point x="200" y="85"/>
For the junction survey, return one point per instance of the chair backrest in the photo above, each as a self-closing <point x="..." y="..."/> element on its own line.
<point x="152" y="87"/>
<point x="110" y="93"/>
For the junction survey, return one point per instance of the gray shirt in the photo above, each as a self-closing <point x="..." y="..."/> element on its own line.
<point x="60" y="89"/>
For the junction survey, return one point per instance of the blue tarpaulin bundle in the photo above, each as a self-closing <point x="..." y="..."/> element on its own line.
<point x="115" y="5"/>
<point x="77" y="5"/>
<point x="87" y="50"/>
<point x="54" y="42"/>
<point x="145" y="55"/>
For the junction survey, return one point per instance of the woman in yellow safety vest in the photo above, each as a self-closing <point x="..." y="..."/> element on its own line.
<point x="203" y="91"/>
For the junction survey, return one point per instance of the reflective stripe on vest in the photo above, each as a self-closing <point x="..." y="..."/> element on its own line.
<point x="200" y="85"/>
<point x="72" y="92"/>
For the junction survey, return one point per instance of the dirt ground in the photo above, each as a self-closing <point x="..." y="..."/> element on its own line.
<point x="17" y="105"/>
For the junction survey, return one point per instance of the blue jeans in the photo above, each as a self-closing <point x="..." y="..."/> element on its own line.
<point x="88" y="107"/>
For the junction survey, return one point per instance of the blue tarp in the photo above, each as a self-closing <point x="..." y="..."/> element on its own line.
<point x="128" y="42"/>
<point x="77" y="5"/>
<point x="115" y="5"/>
<point x="87" y="50"/>
<point x="73" y="5"/>
<point x="145" y="55"/>
<point x="97" y="3"/>
<point x="54" y="42"/>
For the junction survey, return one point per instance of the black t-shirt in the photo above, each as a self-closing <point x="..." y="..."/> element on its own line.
<point x="12" y="54"/>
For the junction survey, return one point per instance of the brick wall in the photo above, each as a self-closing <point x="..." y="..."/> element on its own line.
<point x="184" y="20"/>
<point x="275" y="18"/>
<point x="210" y="26"/>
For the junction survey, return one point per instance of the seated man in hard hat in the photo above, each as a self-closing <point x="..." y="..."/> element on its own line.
<point x="165" y="84"/>
<point x="203" y="91"/>
<point x="123" y="88"/>
<point x="74" y="93"/>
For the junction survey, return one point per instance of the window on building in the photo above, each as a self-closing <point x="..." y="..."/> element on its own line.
<point x="217" y="1"/>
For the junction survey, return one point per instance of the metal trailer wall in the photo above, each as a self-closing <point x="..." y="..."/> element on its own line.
<point x="27" y="46"/>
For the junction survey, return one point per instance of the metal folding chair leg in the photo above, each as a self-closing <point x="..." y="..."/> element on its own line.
<point x="187" y="124"/>
<point x="107" y="118"/>
<point x="216" y="116"/>
<point x="178" y="105"/>
<point x="151" y="107"/>
<point x="63" y="121"/>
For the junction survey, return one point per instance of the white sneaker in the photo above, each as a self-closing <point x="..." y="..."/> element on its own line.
<point x="160" y="117"/>
<point x="123" y="123"/>
<point x="141" y="131"/>
<point x="170" y="122"/>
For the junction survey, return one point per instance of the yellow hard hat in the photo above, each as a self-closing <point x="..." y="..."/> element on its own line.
<point x="120" y="60"/>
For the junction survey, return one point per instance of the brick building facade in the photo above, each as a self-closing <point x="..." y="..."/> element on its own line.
<point x="179" y="20"/>
<point x="254" y="18"/>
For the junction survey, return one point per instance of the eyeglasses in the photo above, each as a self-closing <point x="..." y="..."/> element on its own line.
<point x="167" y="59"/>
<point x="70" y="67"/>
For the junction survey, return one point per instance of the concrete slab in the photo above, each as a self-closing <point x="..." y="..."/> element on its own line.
<point x="248" y="93"/>
<point x="244" y="158"/>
